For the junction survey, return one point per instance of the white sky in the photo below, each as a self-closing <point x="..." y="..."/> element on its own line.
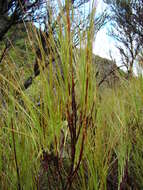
<point x="104" y="44"/>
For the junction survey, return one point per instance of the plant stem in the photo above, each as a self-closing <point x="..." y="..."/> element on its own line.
<point x="15" y="158"/>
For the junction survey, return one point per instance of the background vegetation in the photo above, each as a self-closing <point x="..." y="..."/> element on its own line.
<point x="68" y="119"/>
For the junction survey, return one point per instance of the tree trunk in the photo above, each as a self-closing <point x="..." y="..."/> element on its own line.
<point x="4" y="26"/>
<point x="130" y="71"/>
<point x="4" y="21"/>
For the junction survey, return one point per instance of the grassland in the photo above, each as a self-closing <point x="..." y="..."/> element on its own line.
<point x="79" y="136"/>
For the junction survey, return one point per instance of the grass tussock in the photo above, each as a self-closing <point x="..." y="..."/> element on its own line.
<point x="64" y="132"/>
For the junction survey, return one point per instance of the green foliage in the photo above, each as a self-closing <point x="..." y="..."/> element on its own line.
<point x="20" y="53"/>
<point x="78" y="137"/>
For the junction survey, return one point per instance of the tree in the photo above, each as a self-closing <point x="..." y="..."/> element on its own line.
<point x="15" y="11"/>
<point x="127" y="25"/>
<point x="48" y="15"/>
<point x="54" y="15"/>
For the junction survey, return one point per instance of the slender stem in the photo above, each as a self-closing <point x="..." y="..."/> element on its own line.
<point x="15" y="158"/>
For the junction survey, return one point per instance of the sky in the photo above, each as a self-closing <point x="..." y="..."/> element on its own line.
<point x="104" y="45"/>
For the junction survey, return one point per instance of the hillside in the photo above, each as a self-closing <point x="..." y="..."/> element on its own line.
<point x="22" y="53"/>
<point x="83" y="133"/>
